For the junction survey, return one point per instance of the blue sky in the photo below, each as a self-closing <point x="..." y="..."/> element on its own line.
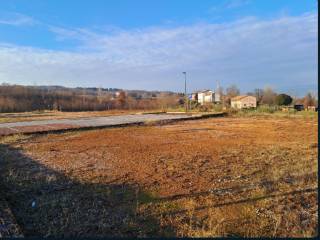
<point x="147" y="44"/>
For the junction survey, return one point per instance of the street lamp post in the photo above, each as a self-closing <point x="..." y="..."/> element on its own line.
<point x="185" y="91"/>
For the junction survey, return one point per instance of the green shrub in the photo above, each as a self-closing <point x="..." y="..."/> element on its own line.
<point x="283" y="99"/>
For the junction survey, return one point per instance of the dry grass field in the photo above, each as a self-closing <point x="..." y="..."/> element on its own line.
<point x="232" y="176"/>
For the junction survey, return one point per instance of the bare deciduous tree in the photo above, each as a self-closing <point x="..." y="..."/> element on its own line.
<point x="269" y="96"/>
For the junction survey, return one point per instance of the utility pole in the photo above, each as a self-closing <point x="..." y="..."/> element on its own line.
<point x="185" y="91"/>
<point x="217" y="93"/>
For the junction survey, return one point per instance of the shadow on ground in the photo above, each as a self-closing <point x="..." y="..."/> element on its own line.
<point x="46" y="202"/>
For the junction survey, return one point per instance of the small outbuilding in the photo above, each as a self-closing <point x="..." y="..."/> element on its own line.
<point x="312" y="108"/>
<point x="244" y="101"/>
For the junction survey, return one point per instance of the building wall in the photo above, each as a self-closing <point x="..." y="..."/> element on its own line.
<point x="201" y="98"/>
<point x="247" y="102"/>
<point x="208" y="98"/>
<point x="235" y="104"/>
<point x="205" y="97"/>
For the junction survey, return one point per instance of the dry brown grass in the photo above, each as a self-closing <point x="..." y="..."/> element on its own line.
<point x="215" y="177"/>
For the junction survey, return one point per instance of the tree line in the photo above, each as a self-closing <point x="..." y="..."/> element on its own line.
<point x="269" y="97"/>
<point x="17" y="98"/>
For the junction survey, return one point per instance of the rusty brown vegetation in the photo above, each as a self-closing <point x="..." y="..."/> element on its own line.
<point x="16" y="98"/>
<point x="229" y="176"/>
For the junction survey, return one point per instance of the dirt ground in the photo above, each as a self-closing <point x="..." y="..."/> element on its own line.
<point x="232" y="176"/>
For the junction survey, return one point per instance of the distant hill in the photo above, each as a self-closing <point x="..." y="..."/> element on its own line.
<point x="96" y="91"/>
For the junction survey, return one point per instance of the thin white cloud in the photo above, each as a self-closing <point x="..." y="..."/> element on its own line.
<point x="250" y="53"/>
<point x="17" y="19"/>
<point x="236" y="3"/>
<point x="228" y="5"/>
<point x="80" y="34"/>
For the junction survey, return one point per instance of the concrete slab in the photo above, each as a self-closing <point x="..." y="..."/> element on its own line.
<point x="60" y="124"/>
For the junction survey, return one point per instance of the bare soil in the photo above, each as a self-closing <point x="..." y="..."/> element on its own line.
<point x="234" y="176"/>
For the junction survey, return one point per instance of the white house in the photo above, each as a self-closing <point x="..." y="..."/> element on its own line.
<point x="206" y="96"/>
